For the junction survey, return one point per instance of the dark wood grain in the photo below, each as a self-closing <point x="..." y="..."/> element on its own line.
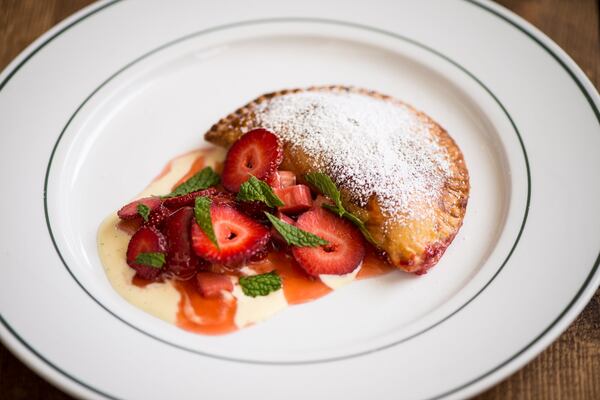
<point x="568" y="369"/>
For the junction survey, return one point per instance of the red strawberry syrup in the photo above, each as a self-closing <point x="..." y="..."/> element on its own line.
<point x="210" y="316"/>
<point x="216" y="316"/>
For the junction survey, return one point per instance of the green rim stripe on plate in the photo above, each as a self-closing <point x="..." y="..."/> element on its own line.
<point x="482" y="6"/>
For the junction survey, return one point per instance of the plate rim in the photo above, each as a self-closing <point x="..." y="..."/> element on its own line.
<point x="28" y="355"/>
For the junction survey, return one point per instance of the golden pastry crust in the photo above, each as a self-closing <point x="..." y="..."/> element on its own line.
<point x="412" y="244"/>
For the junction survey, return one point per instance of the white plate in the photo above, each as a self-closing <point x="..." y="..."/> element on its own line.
<point x="92" y="110"/>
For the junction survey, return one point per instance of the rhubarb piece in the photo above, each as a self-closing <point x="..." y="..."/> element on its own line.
<point x="212" y="285"/>
<point x="296" y="199"/>
<point x="282" y="179"/>
<point x="256" y="190"/>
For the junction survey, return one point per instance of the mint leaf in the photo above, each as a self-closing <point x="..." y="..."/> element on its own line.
<point x="202" y="215"/>
<point x="144" y="211"/>
<point x="325" y="186"/>
<point x="154" y="260"/>
<point x="260" y="285"/>
<point x="295" y="236"/>
<point x="256" y="190"/>
<point x="200" y="181"/>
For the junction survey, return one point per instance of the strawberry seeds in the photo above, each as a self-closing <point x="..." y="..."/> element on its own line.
<point x="227" y="227"/>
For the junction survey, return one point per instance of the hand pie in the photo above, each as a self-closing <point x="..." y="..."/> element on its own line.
<point x="397" y="169"/>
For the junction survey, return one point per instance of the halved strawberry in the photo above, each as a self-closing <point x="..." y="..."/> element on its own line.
<point x="275" y="234"/>
<point x="182" y="263"/>
<point x="296" y="198"/>
<point x="157" y="216"/>
<point x="146" y="240"/>
<point x="282" y="179"/>
<point x="211" y="284"/>
<point x="258" y="152"/>
<point x="130" y="210"/>
<point x="239" y="236"/>
<point x="187" y="199"/>
<point x="345" y="251"/>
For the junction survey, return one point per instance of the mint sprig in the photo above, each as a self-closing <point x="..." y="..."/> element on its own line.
<point x="325" y="186"/>
<point x="256" y="190"/>
<point x="260" y="285"/>
<point x="203" y="219"/>
<point x="144" y="211"/>
<point x="154" y="260"/>
<point x="295" y="236"/>
<point x="200" y="181"/>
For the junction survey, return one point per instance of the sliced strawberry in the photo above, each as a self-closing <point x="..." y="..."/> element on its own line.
<point x="211" y="285"/>
<point x="296" y="198"/>
<point x="276" y="235"/>
<point x="239" y="236"/>
<point x="158" y="216"/>
<point x="224" y="198"/>
<point x="254" y="209"/>
<point x="182" y="263"/>
<point x="345" y="251"/>
<point x="146" y="240"/>
<point x="282" y="179"/>
<point x="260" y="255"/>
<point x="187" y="199"/>
<point x="258" y="152"/>
<point x="130" y="210"/>
<point x="130" y="226"/>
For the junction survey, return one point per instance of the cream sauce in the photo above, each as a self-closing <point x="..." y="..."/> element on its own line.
<point x="177" y="302"/>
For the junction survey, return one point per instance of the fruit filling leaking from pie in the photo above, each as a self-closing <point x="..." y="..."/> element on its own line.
<point x="318" y="187"/>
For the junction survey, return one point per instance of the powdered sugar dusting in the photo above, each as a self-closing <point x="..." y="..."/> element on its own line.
<point x="367" y="145"/>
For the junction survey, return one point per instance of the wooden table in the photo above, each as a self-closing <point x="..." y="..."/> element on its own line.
<point x="568" y="369"/>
